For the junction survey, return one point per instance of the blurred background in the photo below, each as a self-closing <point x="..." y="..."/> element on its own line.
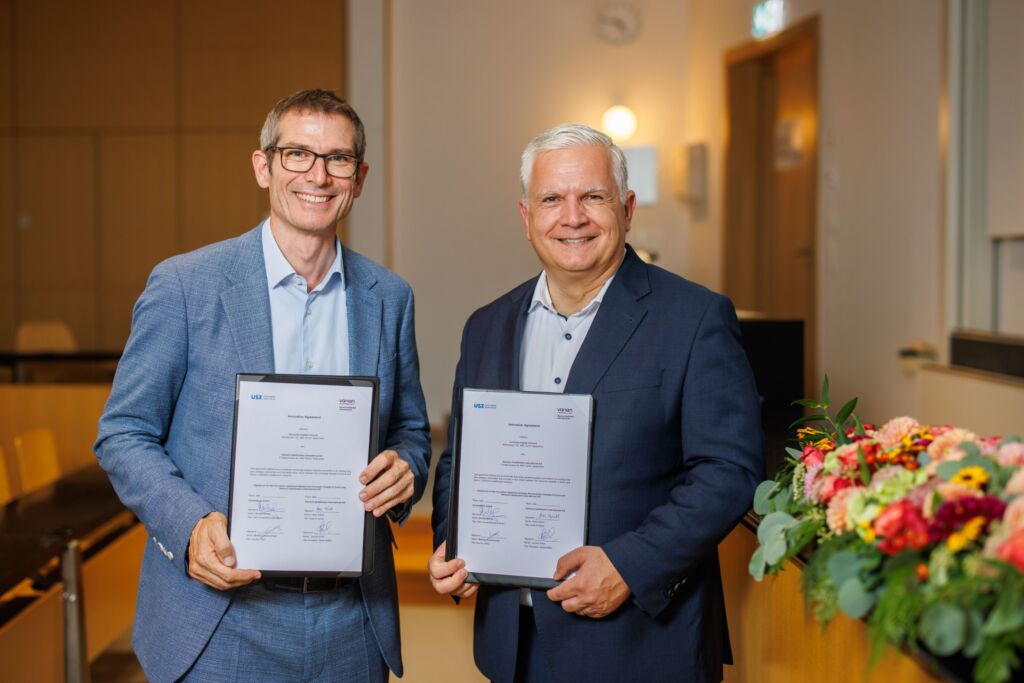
<point x="849" y="173"/>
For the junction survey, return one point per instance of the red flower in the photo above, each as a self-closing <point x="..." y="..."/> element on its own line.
<point x="1012" y="550"/>
<point x="901" y="526"/>
<point x="831" y="485"/>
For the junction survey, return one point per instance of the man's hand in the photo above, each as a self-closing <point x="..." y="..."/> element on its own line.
<point x="596" y="590"/>
<point x="389" y="482"/>
<point x="211" y="557"/>
<point x="449" y="578"/>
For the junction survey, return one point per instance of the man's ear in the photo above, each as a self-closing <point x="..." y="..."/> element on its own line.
<point x="364" y="169"/>
<point x="524" y="213"/>
<point x="261" y="167"/>
<point x="630" y="206"/>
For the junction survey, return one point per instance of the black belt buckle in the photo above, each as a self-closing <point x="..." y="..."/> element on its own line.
<point x="316" y="584"/>
<point x="308" y="584"/>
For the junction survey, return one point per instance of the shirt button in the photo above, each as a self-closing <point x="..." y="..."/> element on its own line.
<point x="308" y="312"/>
<point x="568" y="336"/>
<point x="558" y="380"/>
<point x="309" y="363"/>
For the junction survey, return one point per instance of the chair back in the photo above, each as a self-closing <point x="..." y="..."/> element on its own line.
<point x="37" y="459"/>
<point x="5" y="484"/>
<point x="40" y="336"/>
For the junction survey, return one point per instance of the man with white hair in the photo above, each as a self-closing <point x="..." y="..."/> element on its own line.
<point x="676" y="449"/>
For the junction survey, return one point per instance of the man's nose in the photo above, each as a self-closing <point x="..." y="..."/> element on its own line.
<point x="574" y="214"/>
<point x="318" y="172"/>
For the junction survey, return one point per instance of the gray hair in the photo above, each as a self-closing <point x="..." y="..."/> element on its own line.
<point x="566" y="136"/>
<point x="314" y="100"/>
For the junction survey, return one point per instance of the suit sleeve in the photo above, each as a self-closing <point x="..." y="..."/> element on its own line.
<point x="409" y="430"/>
<point x="443" y="473"/>
<point x="135" y="422"/>
<point x="722" y="464"/>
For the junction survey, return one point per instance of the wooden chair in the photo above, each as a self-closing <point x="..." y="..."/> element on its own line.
<point x="5" y="484"/>
<point x="37" y="459"/>
<point x="41" y="336"/>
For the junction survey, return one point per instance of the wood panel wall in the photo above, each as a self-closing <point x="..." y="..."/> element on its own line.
<point x="125" y="135"/>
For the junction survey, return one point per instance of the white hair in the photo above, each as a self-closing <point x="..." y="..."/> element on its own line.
<point x="566" y="136"/>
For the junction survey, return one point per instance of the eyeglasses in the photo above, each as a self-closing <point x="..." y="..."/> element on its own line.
<point x="299" y="160"/>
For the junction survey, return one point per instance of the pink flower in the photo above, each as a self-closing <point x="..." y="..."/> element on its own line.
<point x="989" y="445"/>
<point x="1013" y="518"/>
<point x="950" y="490"/>
<point x="831" y="484"/>
<point x="895" y="430"/>
<point x="1012" y="550"/>
<point x="835" y="516"/>
<point x="812" y="456"/>
<point x="811" y="481"/>
<point x="945" y="446"/>
<point x="1011" y="454"/>
<point x="1015" y="486"/>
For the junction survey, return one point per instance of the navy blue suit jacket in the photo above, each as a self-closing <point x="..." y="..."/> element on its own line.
<point x="675" y="461"/>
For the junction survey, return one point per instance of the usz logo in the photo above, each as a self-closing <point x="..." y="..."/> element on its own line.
<point x="485" y="405"/>
<point x="261" y="397"/>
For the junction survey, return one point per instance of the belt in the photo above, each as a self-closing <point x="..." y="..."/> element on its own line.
<point x="307" y="584"/>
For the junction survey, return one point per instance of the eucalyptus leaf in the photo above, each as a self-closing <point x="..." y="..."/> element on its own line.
<point x="923" y="459"/>
<point x="944" y="628"/>
<point x="794" y="452"/>
<point x="971" y="449"/>
<point x="781" y="501"/>
<point x="757" y="564"/>
<point x="843" y="566"/>
<point x="854" y="599"/>
<point x="775" y="548"/>
<point x="947" y="469"/>
<point x="763" y="494"/>
<point x="975" y="637"/>
<point x="774" y="524"/>
<point x="1009" y="439"/>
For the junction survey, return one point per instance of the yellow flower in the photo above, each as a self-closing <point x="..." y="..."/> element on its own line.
<point x="975" y="477"/>
<point x="970" y="531"/>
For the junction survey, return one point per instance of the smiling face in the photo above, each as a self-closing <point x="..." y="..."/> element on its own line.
<point x="310" y="202"/>
<point x="574" y="217"/>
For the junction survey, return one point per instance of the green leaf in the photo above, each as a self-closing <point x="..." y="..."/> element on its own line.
<point x="774" y="524"/>
<point x="854" y="600"/>
<point x="947" y="469"/>
<point x="1007" y="616"/>
<point x="970" y="449"/>
<point x="807" y="403"/>
<point x="794" y="452"/>
<point x="757" y="564"/>
<point x="923" y="458"/>
<point x="843" y="566"/>
<point x="975" y="637"/>
<point x="824" y="392"/>
<point x="817" y="417"/>
<point x="944" y="628"/>
<point x="858" y="426"/>
<point x="763" y="494"/>
<point x="783" y="500"/>
<point x="775" y="548"/>
<point x="845" y="412"/>
<point x="1009" y="439"/>
<point x="865" y="473"/>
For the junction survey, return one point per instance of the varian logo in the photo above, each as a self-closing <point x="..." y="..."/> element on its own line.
<point x="564" y="414"/>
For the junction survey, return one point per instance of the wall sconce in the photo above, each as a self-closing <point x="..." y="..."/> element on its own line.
<point x="619" y="122"/>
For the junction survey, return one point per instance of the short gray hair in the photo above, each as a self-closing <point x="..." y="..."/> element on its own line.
<point x="317" y="101"/>
<point x="566" y="136"/>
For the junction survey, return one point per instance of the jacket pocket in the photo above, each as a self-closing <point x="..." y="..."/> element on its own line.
<point x="632" y="380"/>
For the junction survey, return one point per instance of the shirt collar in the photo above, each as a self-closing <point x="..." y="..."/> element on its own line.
<point x="542" y="296"/>
<point x="280" y="271"/>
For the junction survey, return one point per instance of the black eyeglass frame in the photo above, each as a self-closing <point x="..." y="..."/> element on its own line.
<point x="355" y="170"/>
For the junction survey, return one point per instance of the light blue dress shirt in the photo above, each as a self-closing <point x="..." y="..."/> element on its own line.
<point x="310" y="329"/>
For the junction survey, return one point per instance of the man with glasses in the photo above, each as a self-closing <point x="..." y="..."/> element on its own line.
<point x="285" y="297"/>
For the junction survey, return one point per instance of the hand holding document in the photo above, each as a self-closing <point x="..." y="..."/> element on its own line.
<point x="300" y="444"/>
<point x="520" y="484"/>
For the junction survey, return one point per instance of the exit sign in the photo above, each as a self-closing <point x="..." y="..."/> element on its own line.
<point x="769" y="17"/>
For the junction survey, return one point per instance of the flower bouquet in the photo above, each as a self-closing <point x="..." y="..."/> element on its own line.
<point x="919" y="529"/>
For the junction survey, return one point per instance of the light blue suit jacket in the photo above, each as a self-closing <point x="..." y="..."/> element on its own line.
<point x="165" y="435"/>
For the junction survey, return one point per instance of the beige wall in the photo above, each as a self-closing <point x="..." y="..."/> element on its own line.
<point x="126" y="130"/>
<point x="472" y="82"/>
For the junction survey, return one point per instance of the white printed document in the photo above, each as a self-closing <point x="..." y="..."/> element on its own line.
<point x="300" y="444"/>
<point x="520" y="484"/>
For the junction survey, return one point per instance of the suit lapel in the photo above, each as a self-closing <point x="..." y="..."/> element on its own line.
<point x="617" y="319"/>
<point x="247" y="306"/>
<point x="365" y="317"/>
<point x="508" y="375"/>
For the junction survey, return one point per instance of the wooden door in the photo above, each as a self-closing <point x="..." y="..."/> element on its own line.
<point x="771" y="180"/>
